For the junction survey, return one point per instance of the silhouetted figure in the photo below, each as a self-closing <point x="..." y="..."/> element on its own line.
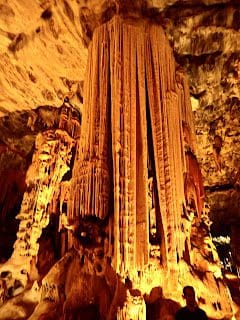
<point x="191" y="311"/>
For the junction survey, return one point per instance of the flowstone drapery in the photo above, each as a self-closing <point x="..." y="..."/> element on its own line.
<point x="132" y="132"/>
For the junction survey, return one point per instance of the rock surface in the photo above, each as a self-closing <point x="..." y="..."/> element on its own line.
<point x="43" y="54"/>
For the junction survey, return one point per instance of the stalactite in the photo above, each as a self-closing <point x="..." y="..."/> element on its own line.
<point x="70" y="119"/>
<point x="91" y="183"/>
<point x="132" y="63"/>
<point x="167" y="143"/>
<point x="193" y="183"/>
<point x="186" y="109"/>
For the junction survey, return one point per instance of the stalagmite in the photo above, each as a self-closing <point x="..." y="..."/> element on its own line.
<point x="133" y="309"/>
<point x="51" y="160"/>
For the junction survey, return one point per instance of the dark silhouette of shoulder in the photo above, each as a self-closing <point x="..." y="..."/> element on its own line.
<point x="186" y="314"/>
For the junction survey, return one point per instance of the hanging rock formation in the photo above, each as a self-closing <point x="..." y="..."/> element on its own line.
<point x="129" y="89"/>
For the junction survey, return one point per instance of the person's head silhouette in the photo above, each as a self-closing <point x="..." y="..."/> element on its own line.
<point x="191" y="311"/>
<point x="189" y="296"/>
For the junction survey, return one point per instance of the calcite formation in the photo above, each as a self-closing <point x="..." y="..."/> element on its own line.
<point x="129" y="88"/>
<point x="130" y="206"/>
<point x="50" y="162"/>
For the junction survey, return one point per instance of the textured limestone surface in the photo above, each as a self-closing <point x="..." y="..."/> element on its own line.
<point x="43" y="56"/>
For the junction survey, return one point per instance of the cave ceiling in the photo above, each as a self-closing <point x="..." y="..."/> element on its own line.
<point x="43" y="48"/>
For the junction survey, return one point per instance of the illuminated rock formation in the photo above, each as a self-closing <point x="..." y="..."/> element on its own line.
<point x="135" y="168"/>
<point x="138" y="230"/>
<point x="51" y="160"/>
<point x="130" y="86"/>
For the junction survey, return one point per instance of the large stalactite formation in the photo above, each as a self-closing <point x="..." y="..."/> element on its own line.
<point x="130" y="89"/>
<point x="115" y="194"/>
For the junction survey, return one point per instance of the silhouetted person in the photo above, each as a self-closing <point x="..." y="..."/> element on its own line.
<point x="191" y="311"/>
